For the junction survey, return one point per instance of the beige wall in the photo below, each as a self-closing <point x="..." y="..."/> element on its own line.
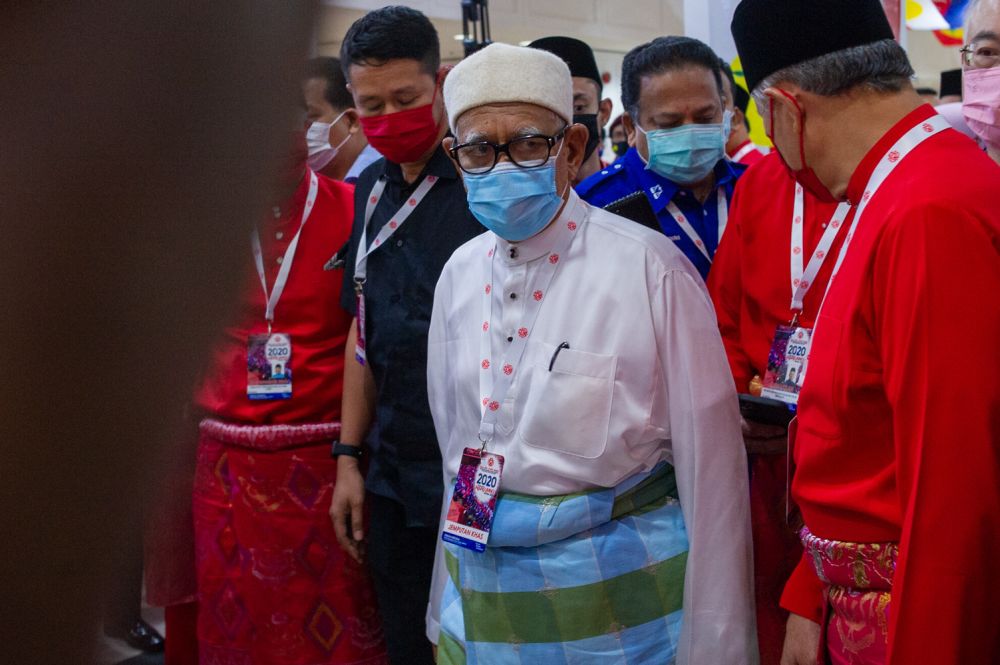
<point x="612" y="27"/>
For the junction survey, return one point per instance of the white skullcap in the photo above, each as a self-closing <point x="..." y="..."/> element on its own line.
<point x="502" y="73"/>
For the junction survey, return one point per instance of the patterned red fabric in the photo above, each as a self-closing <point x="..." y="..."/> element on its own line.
<point x="858" y="579"/>
<point x="274" y="588"/>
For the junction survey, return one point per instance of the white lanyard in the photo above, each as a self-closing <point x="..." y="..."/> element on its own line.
<point x="286" y="261"/>
<point x="361" y="258"/>
<point x="494" y="393"/>
<point x="395" y="222"/>
<point x="803" y="278"/>
<point x="892" y="158"/>
<point x="744" y="151"/>
<point x="682" y="221"/>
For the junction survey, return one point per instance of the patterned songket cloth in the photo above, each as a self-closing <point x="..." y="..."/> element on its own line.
<point x="587" y="578"/>
<point x="858" y="578"/>
<point x="274" y="587"/>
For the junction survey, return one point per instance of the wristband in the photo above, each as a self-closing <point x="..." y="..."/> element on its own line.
<point x="339" y="449"/>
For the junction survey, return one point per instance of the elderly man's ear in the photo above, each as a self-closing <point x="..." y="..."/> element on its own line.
<point x="575" y="146"/>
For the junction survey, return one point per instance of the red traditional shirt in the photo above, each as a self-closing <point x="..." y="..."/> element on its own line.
<point x="899" y="419"/>
<point x="750" y="280"/>
<point x="309" y="311"/>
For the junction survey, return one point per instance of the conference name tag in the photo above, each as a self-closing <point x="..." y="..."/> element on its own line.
<point x="269" y="369"/>
<point x="786" y="364"/>
<point x="470" y="514"/>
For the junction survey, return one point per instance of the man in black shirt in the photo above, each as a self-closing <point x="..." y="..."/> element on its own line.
<point x="410" y="213"/>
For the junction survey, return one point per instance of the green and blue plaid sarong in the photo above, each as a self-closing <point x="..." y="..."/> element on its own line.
<point x="589" y="578"/>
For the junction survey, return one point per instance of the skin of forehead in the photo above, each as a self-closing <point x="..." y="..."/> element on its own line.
<point x="503" y="121"/>
<point x="680" y="91"/>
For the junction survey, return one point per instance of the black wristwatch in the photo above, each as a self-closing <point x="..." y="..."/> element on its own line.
<point x="339" y="449"/>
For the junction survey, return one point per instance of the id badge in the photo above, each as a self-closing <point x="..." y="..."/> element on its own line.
<point x="786" y="364"/>
<point x="470" y="514"/>
<point x="269" y="369"/>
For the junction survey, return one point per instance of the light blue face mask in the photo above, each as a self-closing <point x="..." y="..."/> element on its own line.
<point x="513" y="202"/>
<point x="687" y="154"/>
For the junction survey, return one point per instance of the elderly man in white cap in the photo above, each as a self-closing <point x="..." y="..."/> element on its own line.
<point x="596" y="485"/>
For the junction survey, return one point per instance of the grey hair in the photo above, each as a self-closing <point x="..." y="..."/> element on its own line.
<point x="881" y="66"/>
<point x="972" y="13"/>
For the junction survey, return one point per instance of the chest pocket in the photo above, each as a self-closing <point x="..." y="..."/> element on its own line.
<point x="568" y="409"/>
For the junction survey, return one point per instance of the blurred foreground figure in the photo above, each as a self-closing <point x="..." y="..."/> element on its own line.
<point x="897" y="425"/>
<point x="575" y="370"/>
<point x="122" y="224"/>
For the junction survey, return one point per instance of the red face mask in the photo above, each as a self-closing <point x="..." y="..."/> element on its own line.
<point x="404" y="136"/>
<point x="804" y="175"/>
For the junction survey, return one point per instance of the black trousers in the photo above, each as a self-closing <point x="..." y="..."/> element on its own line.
<point x="401" y="560"/>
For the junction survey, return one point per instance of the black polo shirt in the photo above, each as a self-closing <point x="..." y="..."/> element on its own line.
<point x="405" y="461"/>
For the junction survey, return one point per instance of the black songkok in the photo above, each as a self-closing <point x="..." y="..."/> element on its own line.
<point x="773" y="34"/>
<point x="577" y="55"/>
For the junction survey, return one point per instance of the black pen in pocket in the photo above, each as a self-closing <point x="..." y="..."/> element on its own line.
<point x="552" y="363"/>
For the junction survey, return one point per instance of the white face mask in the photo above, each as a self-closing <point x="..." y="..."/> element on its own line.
<point x="321" y="152"/>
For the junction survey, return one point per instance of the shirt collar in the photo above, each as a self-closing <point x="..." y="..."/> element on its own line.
<point x="660" y="190"/>
<point x="540" y="244"/>
<point x="863" y="173"/>
<point x="439" y="164"/>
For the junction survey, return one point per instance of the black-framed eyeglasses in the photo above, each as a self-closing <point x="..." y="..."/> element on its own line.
<point x="980" y="56"/>
<point x="526" y="152"/>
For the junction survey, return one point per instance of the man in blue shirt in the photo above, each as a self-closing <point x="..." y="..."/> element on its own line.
<point x="677" y="126"/>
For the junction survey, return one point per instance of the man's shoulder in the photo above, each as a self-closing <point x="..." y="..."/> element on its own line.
<point x="333" y="191"/>
<point x="619" y="235"/>
<point x="606" y="186"/>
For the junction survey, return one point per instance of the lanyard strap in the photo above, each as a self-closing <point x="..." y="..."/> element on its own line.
<point x="803" y="278"/>
<point x="286" y="261"/>
<point x="682" y="221"/>
<point x="903" y="147"/>
<point x="494" y="392"/>
<point x="892" y="158"/>
<point x="395" y="222"/>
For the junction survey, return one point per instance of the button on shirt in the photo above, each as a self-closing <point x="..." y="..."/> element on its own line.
<point x="643" y="379"/>
<point x="630" y="175"/>
<point x="405" y="463"/>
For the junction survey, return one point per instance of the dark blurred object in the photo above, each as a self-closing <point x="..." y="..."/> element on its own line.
<point x="951" y="83"/>
<point x="138" y="146"/>
<point x="636" y="207"/>
<point x="140" y="635"/>
<point x="475" y="25"/>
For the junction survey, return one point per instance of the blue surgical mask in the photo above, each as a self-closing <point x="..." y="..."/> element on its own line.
<point x="513" y="202"/>
<point x="687" y="154"/>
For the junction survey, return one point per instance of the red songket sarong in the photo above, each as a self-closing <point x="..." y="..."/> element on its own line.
<point x="858" y="582"/>
<point x="274" y="587"/>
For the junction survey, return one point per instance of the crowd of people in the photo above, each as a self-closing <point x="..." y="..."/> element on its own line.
<point x="486" y="398"/>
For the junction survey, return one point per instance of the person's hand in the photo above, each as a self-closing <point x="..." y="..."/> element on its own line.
<point x="347" y="507"/>
<point x="801" y="641"/>
<point x="761" y="439"/>
<point x="434" y="648"/>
